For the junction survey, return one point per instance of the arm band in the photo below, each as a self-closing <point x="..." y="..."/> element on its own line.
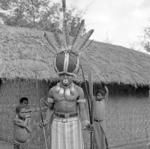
<point x="81" y="101"/>
<point x="50" y="100"/>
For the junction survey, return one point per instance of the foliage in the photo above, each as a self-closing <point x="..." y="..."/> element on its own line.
<point x="41" y="14"/>
<point x="146" y="41"/>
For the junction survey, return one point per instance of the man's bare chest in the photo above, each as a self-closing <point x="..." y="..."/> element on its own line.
<point x="65" y="94"/>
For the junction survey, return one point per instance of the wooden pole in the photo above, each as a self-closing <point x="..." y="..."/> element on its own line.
<point x="90" y="80"/>
<point x="89" y="92"/>
<point x="41" y="115"/>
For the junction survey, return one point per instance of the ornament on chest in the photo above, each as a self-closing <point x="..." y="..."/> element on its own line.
<point x="68" y="92"/>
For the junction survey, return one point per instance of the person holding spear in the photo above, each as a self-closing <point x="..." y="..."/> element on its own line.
<point x="66" y="104"/>
<point x="66" y="109"/>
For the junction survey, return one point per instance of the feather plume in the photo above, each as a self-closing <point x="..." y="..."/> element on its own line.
<point x="84" y="40"/>
<point x="65" y="29"/>
<point x="85" y="47"/>
<point x="57" y="38"/>
<point x="50" y="43"/>
<point x="88" y="44"/>
<point x="79" y="42"/>
<point x="79" y="31"/>
<point x="66" y="33"/>
<point x="64" y="5"/>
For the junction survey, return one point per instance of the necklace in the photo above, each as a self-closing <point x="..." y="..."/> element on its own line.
<point x="67" y="91"/>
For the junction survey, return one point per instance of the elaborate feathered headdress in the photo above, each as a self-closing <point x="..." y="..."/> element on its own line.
<point x="68" y="51"/>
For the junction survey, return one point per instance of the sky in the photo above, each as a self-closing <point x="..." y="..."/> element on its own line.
<point x="119" y="22"/>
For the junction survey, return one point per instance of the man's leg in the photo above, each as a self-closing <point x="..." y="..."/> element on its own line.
<point x="24" y="146"/>
<point x="16" y="146"/>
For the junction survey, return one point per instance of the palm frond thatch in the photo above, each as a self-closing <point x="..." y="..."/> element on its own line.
<point x="25" y="53"/>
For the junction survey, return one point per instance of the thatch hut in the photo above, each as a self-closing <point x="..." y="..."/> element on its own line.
<point x="25" y="59"/>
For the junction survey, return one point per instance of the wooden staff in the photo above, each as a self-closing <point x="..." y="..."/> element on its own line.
<point x="41" y="115"/>
<point x="92" y="107"/>
<point x="89" y="92"/>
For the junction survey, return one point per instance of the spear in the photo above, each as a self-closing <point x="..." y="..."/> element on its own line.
<point x="89" y="92"/>
<point x="91" y="108"/>
<point x="41" y="115"/>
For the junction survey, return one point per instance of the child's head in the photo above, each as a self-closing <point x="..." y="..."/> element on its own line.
<point x="100" y="94"/>
<point x="24" y="101"/>
<point x="22" y="111"/>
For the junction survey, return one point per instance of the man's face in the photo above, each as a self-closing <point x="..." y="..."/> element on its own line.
<point x="66" y="79"/>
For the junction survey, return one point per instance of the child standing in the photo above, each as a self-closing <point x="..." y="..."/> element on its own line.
<point x="99" y="118"/>
<point x="22" y="127"/>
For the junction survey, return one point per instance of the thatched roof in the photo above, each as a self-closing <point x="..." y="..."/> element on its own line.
<point x="121" y="65"/>
<point x="24" y="53"/>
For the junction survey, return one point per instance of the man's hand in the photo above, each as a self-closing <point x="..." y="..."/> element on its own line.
<point x="87" y="126"/>
<point x="90" y="127"/>
<point x="44" y="123"/>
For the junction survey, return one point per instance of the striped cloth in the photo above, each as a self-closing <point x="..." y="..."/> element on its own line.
<point x="66" y="134"/>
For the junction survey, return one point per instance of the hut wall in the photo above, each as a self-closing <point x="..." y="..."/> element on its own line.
<point x="127" y="118"/>
<point x="10" y="92"/>
<point x="127" y="115"/>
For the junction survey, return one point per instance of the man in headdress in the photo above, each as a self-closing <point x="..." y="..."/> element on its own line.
<point x="66" y="105"/>
<point x="99" y="118"/>
<point x="66" y="102"/>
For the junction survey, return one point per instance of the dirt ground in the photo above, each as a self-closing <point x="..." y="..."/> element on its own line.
<point x="4" y="145"/>
<point x="141" y="146"/>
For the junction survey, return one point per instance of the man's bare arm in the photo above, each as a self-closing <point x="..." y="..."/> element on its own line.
<point x="107" y="94"/>
<point x="50" y="105"/>
<point x="82" y="108"/>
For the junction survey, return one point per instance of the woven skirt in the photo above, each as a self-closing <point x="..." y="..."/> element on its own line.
<point x="66" y="134"/>
<point x="99" y="136"/>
